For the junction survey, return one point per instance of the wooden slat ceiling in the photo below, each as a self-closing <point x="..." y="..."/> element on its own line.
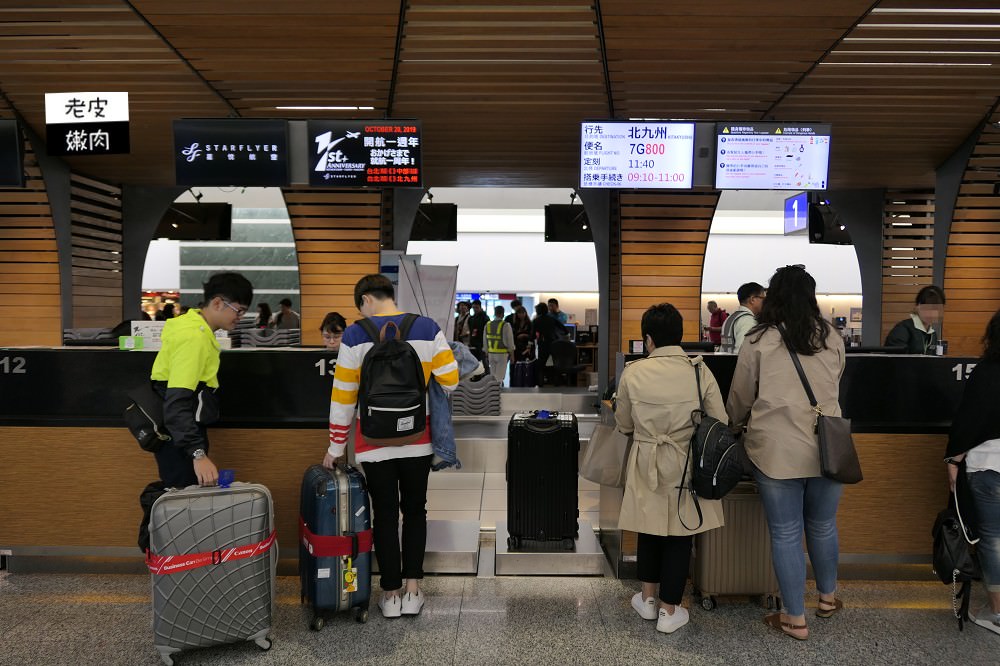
<point x="501" y="87"/>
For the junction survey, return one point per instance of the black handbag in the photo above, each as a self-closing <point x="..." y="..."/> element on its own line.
<point x="144" y="417"/>
<point x="838" y="458"/>
<point x="954" y="559"/>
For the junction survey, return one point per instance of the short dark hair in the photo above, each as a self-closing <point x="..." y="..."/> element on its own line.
<point x="991" y="339"/>
<point x="748" y="291"/>
<point x="231" y="286"/>
<point x="664" y="324"/>
<point x="333" y="322"/>
<point x="374" y="284"/>
<point x="541" y="309"/>
<point x="515" y="304"/>
<point x="553" y="301"/>
<point x="477" y="302"/>
<point x="498" y="311"/>
<point x="287" y="302"/>
<point x="930" y="295"/>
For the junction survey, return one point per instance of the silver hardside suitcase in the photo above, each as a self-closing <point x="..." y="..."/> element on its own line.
<point x="209" y="586"/>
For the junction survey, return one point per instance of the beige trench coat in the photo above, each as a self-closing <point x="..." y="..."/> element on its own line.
<point x="767" y="396"/>
<point x="656" y="396"/>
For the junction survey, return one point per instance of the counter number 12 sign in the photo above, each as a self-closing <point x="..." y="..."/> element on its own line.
<point x="13" y="365"/>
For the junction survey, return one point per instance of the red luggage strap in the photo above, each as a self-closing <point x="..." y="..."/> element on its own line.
<point x="348" y="545"/>
<point x="168" y="564"/>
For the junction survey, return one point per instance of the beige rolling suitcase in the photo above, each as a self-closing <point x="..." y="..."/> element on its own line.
<point x="735" y="560"/>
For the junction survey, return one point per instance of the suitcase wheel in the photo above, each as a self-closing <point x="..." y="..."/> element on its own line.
<point x="264" y="643"/>
<point x="772" y="602"/>
<point x="361" y="615"/>
<point x="317" y="622"/>
<point x="568" y="544"/>
<point x="709" y="603"/>
<point x="514" y="542"/>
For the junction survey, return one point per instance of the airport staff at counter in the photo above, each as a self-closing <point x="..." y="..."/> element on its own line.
<point x="916" y="333"/>
<point x="63" y="406"/>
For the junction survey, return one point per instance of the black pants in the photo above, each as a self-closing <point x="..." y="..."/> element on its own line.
<point x="665" y="560"/>
<point x="399" y="484"/>
<point x="176" y="467"/>
<point x="540" y="361"/>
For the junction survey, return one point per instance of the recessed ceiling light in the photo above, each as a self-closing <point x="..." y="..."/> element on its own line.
<point x="325" y="108"/>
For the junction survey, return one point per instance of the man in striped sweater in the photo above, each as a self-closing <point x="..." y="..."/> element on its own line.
<point x="396" y="475"/>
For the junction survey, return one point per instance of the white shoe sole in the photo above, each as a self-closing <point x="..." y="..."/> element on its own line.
<point x="988" y="625"/>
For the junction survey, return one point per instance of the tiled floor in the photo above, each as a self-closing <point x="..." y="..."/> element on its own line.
<point x="483" y="497"/>
<point x="50" y="620"/>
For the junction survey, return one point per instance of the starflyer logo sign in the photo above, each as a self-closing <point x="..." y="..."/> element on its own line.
<point x="231" y="152"/>
<point x="359" y="153"/>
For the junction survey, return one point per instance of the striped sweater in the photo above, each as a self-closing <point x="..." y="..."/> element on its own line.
<point x="437" y="359"/>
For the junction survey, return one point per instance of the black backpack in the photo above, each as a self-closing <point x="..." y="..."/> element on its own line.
<point x="392" y="392"/>
<point x="716" y="460"/>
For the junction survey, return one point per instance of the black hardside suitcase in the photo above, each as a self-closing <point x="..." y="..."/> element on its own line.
<point x="335" y="542"/>
<point x="522" y="374"/>
<point x="543" y="451"/>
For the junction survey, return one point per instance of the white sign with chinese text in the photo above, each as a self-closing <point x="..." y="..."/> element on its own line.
<point x="89" y="107"/>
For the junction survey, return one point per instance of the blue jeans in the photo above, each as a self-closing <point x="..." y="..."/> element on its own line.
<point x="791" y="505"/>
<point x="985" y="488"/>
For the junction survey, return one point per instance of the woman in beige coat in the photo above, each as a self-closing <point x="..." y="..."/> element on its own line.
<point x="768" y="397"/>
<point x="656" y="396"/>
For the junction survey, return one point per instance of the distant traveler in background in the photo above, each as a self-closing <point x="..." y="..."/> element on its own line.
<point x="973" y="455"/>
<point x="781" y="439"/>
<point x="477" y="325"/>
<point x="332" y="330"/>
<point x="168" y="311"/>
<point x="263" y="318"/>
<point x="287" y="317"/>
<point x="916" y="332"/>
<point x="160" y="316"/>
<point x="462" y="323"/>
<point x="717" y="317"/>
<point x="737" y="325"/>
<point x="185" y="373"/>
<point x="498" y="336"/>
<point x="514" y="305"/>
<point x="396" y="475"/>
<point x="521" y="328"/>
<point x="656" y="396"/>
<point x="546" y="329"/>
<point x="556" y="313"/>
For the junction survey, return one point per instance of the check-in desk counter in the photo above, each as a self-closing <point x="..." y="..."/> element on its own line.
<point x="71" y="474"/>
<point x="901" y="408"/>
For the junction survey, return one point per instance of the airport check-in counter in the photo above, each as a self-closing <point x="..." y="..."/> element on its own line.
<point x="71" y="474"/>
<point x="901" y="409"/>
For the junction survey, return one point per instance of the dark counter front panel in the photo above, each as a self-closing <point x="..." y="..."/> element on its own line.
<point x="87" y="387"/>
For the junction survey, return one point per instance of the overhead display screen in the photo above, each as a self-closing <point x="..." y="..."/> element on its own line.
<point x="360" y="153"/>
<point x="231" y="152"/>
<point x="772" y="156"/>
<point x="633" y="154"/>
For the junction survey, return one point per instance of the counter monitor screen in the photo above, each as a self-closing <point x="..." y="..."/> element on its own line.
<point x="772" y="156"/>
<point x="566" y="223"/>
<point x="11" y="154"/>
<point x="196" y="222"/>
<point x="636" y="154"/>
<point x="435" y="222"/>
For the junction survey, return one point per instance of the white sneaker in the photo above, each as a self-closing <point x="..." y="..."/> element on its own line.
<point x="987" y="619"/>
<point x="646" y="609"/>
<point x="390" y="605"/>
<point x="412" y="603"/>
<point x="668" y="624"/>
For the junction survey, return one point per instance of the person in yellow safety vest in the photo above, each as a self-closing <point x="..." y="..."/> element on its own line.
<point x="498" y="338"/>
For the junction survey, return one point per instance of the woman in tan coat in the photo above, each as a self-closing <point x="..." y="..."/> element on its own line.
<point x="767" y="396"/>
<point x="656" y="396"/>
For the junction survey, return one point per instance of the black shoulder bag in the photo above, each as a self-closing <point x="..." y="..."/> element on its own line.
<point x="954" y="559"/>
<point x="144" y="417"/>
<point x="838" y="458"/>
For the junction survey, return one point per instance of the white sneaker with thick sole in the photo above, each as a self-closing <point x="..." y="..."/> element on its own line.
<point x="645" y="608"/>
<point x="412" y="603"/>
<point x="390" y="605"/>
<point x="668" y="624"/>
<point x="987" y="619"/>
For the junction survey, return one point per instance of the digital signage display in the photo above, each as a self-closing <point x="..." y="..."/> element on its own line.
<point x="11" y="154"/>
<point x="636" y="154"/>
<point x="772" y="156"/>
<point x="365" y="153"/>
<point x="797" y="213"/>
<point x="231" y="152"/>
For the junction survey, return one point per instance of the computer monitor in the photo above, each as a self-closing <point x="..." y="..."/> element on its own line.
<point x="636" y="347"/>
<point x="571" y="331"/>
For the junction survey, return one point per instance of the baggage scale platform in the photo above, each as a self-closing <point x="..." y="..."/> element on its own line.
<point x="549" y="559"/>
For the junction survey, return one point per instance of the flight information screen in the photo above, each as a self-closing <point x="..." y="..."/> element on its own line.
<point x="620" y="154"/>
<point x="772" y="156"/>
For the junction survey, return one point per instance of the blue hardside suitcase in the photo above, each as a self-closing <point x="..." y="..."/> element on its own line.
<point x="335" y="542"/>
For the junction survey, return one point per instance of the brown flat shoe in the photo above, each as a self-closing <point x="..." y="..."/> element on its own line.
<point x="828" y="608"/>
<point x="774" y="621"/>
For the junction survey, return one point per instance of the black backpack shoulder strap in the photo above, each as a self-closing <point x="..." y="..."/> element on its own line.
<point x="404" y="328"/>
<point x="697" y="378"/>
<point x="369" y="326"/>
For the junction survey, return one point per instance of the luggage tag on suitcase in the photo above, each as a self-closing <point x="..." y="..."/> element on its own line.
<point x="350" y="577"/>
